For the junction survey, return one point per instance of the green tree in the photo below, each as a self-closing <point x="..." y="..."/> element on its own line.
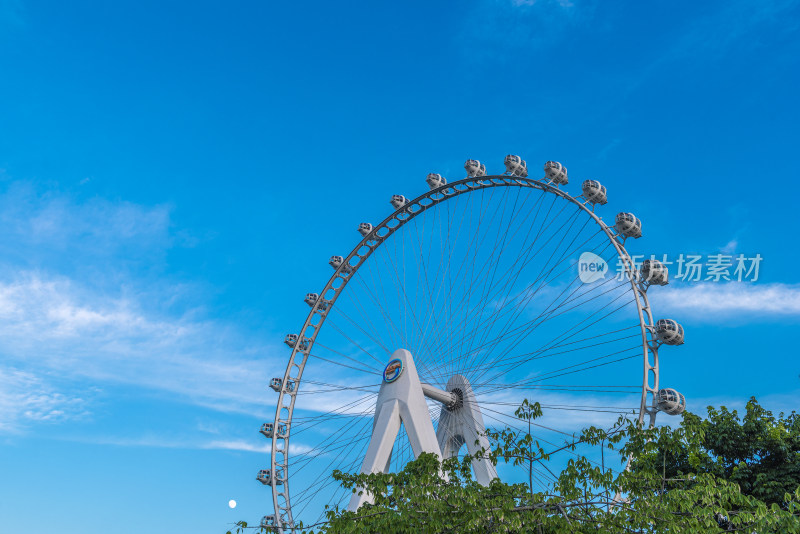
<point x="677" y="484"/>
<point x="760" y="452"/>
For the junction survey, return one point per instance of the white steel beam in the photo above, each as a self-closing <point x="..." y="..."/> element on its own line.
<point x="399" y="401"/>
<point x="463" y="424"/>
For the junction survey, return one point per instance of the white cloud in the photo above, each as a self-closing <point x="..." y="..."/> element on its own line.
<point x="26" y="399"/>
<point x="53" y="230"/>
<point x="257" y="445"/>
<point x="526" y="25"/>
<point x="718" y="300"/>
<point x="83" y="297"/>
<point x="54" y="324"/>
<point x="522" y="3"/>
<point x="730" y="247"/>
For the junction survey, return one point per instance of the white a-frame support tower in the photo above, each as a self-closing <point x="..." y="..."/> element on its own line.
<point x="401" y="400"/>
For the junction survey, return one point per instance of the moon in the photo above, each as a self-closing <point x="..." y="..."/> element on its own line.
<point x="232" y="503"/>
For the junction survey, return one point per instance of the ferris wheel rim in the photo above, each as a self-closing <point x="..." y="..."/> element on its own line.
<point x="372" y="241"/>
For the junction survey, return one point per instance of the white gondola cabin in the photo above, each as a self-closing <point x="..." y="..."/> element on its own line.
<point x="512" y="162"/>
<point x="594" y="192"/>
<point x="364" y="229"/>
<point x="628" y="225"/>
<point x="398" y="201"/>
<point x="669" y="331"/>
<point x="267" y="429"/>
<point x="276" y="384"/>
<point x="435" y="181"/>
<point x="556" y="173"/>
<point x="515" y="166"/>
<point x="293" y="340"/>
<point x="265" y="477"/>
<point x="670" y="401"/>
<point x="523" y="170"/>
<point x="474" y="168"/>
<point x="337" y="261"/>
<point x="654" y="272"/>
<point x="312" y="298"/>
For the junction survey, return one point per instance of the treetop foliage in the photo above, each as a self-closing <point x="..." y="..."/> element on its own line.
<point x="719" y="474"/>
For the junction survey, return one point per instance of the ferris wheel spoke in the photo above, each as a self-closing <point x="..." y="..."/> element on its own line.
<point x="365" y="319"/>
<point x="327" y="417"/>
<point x="568" y="407"/>
<point x="510" y="277"/>
<point x="450" y="311"/>
<point x="361" y="329"/>
<point x="573" y="330"/>
<point x="484" y="220"/>
<point x="500" y="241"/>
<point x="535" y="353"/>
<point x="344" y="442"/>
<point x="361" y="369"/>
<point x="505" y="332"/>
<point x="518" y="334"/>
<point x="503" y="368"/>
<point x="402" y="296"/>
<point x="478" y="326"/>
<point x="353" y="343"/>
<point x="590" y="367"/>
<point x="520" y="306"/>
<point x="319" y="485"/>
<point x="326" y="387"/>
<point x="492" y="389"/>
<point x="378" y="301"/>
<point x="511" y="362"/>
<point x="383" y="311"/>
<point x="513" y="267"/>
<point x="478" y="239"/>
<point x="445" y="268"/>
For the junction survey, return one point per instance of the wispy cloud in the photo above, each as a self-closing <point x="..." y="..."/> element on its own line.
<point x="257" y="445"/>
<point x="55" y="324"/>
<point x="27" y="399"/>
<point x="81" y="238"/>
<point x="528" y="3"/>
<point x="730" y="247"/>
<point x="518" y="24"/>
<point x="730" y="298"/>
<point x="740" y="23"/>
<point x="78" y="300"/>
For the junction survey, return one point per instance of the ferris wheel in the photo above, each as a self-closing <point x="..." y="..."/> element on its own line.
<point x="461" y="303"/>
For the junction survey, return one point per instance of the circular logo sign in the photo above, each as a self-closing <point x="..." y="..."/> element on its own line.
<point x="393" y="370"/>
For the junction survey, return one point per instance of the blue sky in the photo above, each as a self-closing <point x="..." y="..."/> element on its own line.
<point x="173" y="179"/>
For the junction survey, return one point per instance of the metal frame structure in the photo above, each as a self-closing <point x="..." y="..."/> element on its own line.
<point x="402" y="400"/>
<point x="283" y="520"/>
